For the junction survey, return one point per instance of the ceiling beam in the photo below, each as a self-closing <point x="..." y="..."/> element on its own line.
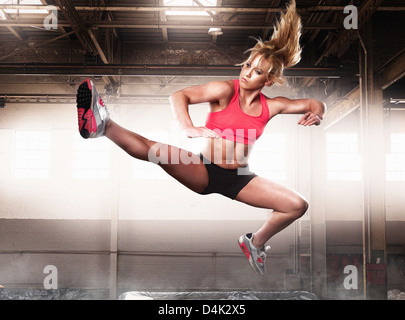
<point x="342" y="108"/>
<point x="139" y="24"/>
<point x="389" y="73"/>
<point x="269" y="19"/>
<point x="16" y="32"/>
<point x="73" y="18"/>
<point x="153" y="70"/>
<point x="162" y="18"/>
<point x="195" y="8"/>
<point x="346" y="36"/>
<point x="212" y="15"/>
<point x="393" y="70"/>
<point x="37" y="45"/>
<point x="83" y="33"/>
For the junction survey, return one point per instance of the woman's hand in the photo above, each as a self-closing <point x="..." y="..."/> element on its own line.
<point x="310" y="119"/>
<point x="196" y="132"/>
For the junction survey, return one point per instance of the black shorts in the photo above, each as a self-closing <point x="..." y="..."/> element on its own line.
<point x="228" y="182"/>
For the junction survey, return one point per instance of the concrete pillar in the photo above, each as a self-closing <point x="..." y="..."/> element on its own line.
<point x="373" y="155"/>
<point x="317" y="212"/>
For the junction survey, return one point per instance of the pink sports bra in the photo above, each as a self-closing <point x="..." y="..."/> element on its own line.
<point x="235" y="125"/>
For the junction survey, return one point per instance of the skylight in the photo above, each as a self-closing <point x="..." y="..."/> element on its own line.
<point x="23" y="2"/>
<point x="188" y="3"/>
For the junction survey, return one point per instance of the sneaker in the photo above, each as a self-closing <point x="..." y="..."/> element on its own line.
<point x="92" y="113"/>
<point x="256" y="257"/>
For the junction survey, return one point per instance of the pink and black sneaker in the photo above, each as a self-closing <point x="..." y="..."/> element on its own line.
<point x="255" y="256"/>
<point x="92" y="113"/>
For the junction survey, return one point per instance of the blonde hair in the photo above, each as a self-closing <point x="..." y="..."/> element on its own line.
<point x="283" y="50"/>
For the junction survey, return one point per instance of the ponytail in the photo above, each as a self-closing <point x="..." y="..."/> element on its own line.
<point x="283" y="50"/>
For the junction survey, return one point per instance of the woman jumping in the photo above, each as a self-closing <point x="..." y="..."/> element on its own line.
<point x="238" y="115"/>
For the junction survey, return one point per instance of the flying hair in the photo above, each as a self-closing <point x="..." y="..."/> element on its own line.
<point x="283" y="50"/>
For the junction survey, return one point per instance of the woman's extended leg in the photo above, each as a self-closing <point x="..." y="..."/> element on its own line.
<point x="182" y="165"/>
<point x="94" y="121"/>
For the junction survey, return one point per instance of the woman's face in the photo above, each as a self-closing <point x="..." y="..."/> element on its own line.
<point x="254" y="73"/>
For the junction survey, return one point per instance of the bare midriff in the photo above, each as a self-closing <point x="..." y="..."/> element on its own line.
<point x="226" y="153"/>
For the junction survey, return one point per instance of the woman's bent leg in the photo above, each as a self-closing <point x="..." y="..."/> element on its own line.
<point x="286" y="204"/>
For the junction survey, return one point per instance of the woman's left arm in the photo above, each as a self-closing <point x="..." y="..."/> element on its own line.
<point x="313" y="110"/>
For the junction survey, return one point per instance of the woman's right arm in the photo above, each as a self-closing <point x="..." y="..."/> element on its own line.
<point x="212" y="92"/>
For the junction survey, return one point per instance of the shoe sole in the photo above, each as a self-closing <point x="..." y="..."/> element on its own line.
<point x="85" y="114"/>
<point x="245" y="250"/>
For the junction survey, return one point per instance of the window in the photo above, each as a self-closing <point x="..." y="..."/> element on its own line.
<point x="269" y="157"/>
<point x="147" y="170"/>
<point x="22" y="2"/>
<point x="188" y="3"/>
<point x="343" y="158"/>
<point x="91" y="158"/>
<point x="396" y="159"/>
<point x="32" y="154"/>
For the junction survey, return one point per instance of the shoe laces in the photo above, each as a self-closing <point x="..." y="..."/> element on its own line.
<point x="103" y="111"/>
<point x="263" y="253"/>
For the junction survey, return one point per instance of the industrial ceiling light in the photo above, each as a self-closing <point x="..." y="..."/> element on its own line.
<point x="215" y="31"/>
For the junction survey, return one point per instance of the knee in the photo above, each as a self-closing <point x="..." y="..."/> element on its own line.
<point x="300" y="207"/>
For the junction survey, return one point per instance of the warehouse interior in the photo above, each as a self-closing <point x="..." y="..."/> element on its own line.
<point x="122" y="225"/>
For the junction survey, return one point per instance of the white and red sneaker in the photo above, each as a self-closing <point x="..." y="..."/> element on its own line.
<point x="92" y="113"/>
<point x="256" y="257"/>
